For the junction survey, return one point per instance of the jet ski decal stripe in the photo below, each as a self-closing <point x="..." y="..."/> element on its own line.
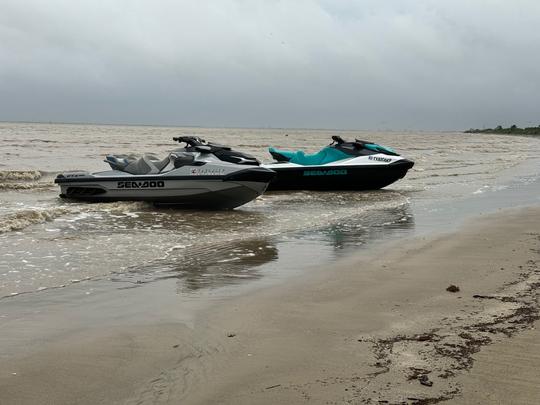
<point x="134" y="179"/>
<point x="342" y="172"/>
<point x="397" y="163"/>
<point x="256" y="175"/>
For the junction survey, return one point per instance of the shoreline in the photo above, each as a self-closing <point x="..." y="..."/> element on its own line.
<point x="365" y="329"/>
<point x="371" y="336"/>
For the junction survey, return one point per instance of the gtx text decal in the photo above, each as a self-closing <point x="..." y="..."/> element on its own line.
<point x="207" y="172"/>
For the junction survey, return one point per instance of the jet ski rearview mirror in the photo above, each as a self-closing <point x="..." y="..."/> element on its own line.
<point x="338" y="139"/>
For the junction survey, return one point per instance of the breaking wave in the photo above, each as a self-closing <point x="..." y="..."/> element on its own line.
<point x="21" y="219"/>
<point x="24" y="186"/>
<point x="118" y="206"/>
<point x="26" y="179"/>
<point x="20" y="174"/>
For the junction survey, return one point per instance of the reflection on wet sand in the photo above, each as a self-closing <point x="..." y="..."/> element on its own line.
<point x="212" y="266"/>
<point x="228" y="266"/>
<point x="355" y="231"/>
<point x="206" y="267"/>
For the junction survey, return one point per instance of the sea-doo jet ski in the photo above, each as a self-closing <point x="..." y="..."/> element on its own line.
<point x="199" y="175"/>
<point x="342" y="165"/>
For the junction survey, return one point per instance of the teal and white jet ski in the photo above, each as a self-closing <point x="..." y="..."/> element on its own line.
<point x="342" y="165"/>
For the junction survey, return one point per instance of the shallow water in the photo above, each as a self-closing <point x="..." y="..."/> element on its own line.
<point x="46" y="242"/>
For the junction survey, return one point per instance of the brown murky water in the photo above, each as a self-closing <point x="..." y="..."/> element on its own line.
<point x="46" y="242"/>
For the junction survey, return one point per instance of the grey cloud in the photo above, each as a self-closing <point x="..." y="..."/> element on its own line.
<point x="327" y="63"/>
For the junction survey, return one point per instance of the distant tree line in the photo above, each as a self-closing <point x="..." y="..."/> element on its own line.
<point x="510" y="130"/>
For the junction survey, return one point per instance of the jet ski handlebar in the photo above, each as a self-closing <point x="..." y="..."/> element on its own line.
<point x="200" y="144"/>
<point x="190" y="140"/>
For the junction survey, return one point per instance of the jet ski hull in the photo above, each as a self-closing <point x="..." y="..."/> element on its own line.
<point x="338" y="177"/>
<point x="208" y="192"/>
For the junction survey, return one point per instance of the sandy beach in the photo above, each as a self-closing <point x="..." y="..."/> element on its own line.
<point x="380" y="327"/>
<point x="269" y="202"/>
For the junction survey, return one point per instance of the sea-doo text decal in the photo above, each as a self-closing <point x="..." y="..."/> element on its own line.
<point x="141" y="184"/>
<point x="341" y="172"/>
<point x="379" y="159"/>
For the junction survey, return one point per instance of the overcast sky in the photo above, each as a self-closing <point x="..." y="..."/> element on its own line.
<point x="366" y="64"/>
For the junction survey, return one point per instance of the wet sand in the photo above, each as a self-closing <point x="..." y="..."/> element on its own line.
<point x="379" y="326"/>
<point x="507" y="372"/>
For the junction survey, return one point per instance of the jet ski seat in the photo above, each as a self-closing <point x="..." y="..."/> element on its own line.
<point x="324" y="156"/>
<point x="146" y="164"/>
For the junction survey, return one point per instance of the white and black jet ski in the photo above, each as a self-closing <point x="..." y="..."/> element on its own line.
<point x="199" y="175"/>
<point x="342" y="165"/>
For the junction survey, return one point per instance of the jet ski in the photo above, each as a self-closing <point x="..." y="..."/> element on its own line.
<point x="342" y="165"/>
<point x="198" y="175"/>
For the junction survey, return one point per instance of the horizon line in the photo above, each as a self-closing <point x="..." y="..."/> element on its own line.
<point x="219" y="126"/>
